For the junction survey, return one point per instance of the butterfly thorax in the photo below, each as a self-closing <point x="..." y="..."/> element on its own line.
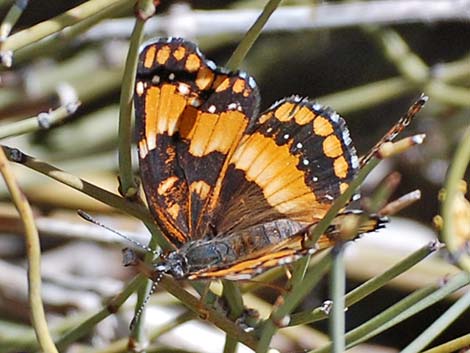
<point x="195" y="256"/>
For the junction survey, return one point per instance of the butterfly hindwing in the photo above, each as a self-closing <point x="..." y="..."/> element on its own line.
<point x="292" y="163"/>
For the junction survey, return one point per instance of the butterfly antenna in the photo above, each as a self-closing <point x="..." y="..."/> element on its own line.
<point x="401" y="124"/>
<point x="146" y="300"/>
<point x="90" y="219"/>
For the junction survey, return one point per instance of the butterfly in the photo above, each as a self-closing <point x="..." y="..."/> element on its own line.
<point x="234" y="191"/>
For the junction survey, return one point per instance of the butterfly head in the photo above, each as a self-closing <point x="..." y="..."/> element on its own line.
<point x="173" y="264"/>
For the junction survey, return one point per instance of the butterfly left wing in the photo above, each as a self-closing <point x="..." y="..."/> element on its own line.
<point x="190" y="117"/>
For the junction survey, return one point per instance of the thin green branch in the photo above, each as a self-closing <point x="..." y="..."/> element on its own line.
<point x="215" y="317"/>
<point x="397" y="51"/>
<point x="404" y="309"/>
<point x="56" y="24"/>
<point x="86" y="326"/>
<point x="370" y="286"/>
<point x="250" y="37"/>
<point x="232" y="295"/>
<point x="455" y="174"/>
<point x="451" y="346"/>
<point x="337" y="322"/>
<point x="438" y="326"/>
<point x="33" y="252"/>
<point x="280" y="316"/>
<point x="64" y="36"/>
<point x="121" y="344"/>
<point x="128" y="186"/>
<point x="369" y="95"/>
<point x="12" y="16"/>
<point x="42" y="121"/>
<point x="78" y="184"/>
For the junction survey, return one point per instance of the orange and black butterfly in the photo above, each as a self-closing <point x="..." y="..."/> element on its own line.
<point x="234" y="191"/>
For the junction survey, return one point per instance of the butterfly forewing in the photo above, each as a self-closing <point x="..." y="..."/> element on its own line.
<point x="191" y="117"/>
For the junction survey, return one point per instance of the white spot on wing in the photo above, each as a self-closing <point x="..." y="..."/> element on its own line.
<point x="171" y="76"/>
<point x="183" y="89"/>
<point x="355" y="161"/>
<point x="212" y="109"/>
<point x="335" y="117"/>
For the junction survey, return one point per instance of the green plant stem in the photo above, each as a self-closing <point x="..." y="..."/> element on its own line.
<point x="407" y="307"/>
<point x="337" y="323"/>
<point x="455" y="174"/>
<point x="451" y="346"/>
<point x="370" y="286"/>
<point x="449" y="94"/>
<point x="121" y="344"/>
<point x="33" y="252"/>
<point x="279" y="317"/>
<point x="40" y="122"/>
<point x="250" y="37"/>
<point x="369" y="95"/>
<point x="234" y="300"/>
<point x="397" y="51"/>
<point x="128" y="187"/>
<point x="208" y="313"/>
<point x="64" y="36"/>
<point x="86" y="326"/>
<point x="12" y="16"/>
<point x="78" y="184"/>
<point x="433" y="331"/>
<point x="46" y="28"/>
<point x="340" y="202"/>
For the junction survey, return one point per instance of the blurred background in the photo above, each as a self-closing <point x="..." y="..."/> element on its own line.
<point x="369" y="60"/>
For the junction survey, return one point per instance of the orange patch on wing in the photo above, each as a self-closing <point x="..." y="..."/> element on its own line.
<point x="268" y="260"/>
<point x="332" y="146"/>
<point x="221" y="83"/>
<point x="254" y="157"/>
<point x="174" y="210"/>
<point x="170" y="112"/>
<point x="179" y="53"/>
<point x="149" y="56"/>
<point x="228" y="131"/>
<point x="304" y="116"/>
<point x="143" y="149"/>
<point x="284" y="112"/>
<point x="201" y="133"/>
<point x="204" y="78"/>
<point x="166" y="185"/>
<point x="340" y="167"/>
<point x="201" y="188"/>
<point x="152" y="99"/>
<point x="265" y="117"/>
<point x="163" y="54"/>
<point x="214" y="132"/>
<point x="322" y="127"/>
<point x="343" y="187"/>
<point x="238" y="86"/>
<point x="193" y="63"/>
